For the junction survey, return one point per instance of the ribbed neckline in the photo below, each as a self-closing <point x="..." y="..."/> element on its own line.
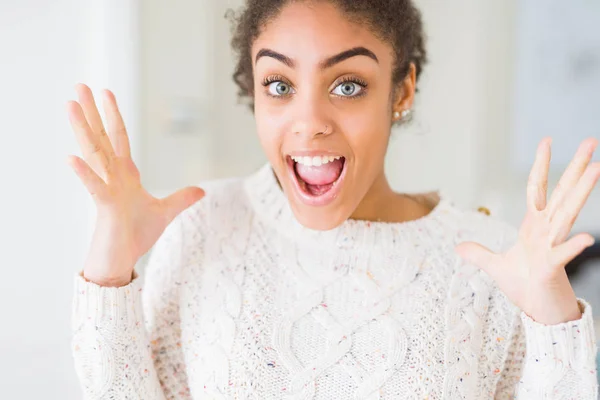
<point x="271" y="204"/>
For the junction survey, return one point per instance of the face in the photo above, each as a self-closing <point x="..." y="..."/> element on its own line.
<point x="323" y="108"/>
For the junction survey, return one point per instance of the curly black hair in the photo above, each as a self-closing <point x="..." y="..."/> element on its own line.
<point x="396" y="21"/>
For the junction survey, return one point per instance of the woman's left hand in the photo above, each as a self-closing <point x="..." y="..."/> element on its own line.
<point x="532" y="273"/>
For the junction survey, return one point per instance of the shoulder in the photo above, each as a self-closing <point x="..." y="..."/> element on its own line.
<point x="479" y="296"/>
<point x="498" y="235"/>
<point x="185" y="236"/>
<point x="479" y="225"/>
<point x="225" y="203"/>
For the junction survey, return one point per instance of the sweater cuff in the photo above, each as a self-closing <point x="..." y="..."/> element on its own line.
<point x="571" y="343"/>
<point x="107" y="306"/>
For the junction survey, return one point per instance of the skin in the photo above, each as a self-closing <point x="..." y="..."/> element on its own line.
<point x="531" y="273"/>
<point x="357" y="127"/>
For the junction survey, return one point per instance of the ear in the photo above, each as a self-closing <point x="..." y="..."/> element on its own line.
<point x="404" y="95"/>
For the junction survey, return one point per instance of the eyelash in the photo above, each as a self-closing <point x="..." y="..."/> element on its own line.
<point x="278" y="78"/>
<point x="274" y="78"/>
<point x="363" y="85"/>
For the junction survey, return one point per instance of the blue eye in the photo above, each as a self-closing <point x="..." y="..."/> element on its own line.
<point x="279" y="88"/>
<point x="348" y="89"/>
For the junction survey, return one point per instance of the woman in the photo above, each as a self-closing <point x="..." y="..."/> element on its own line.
<point x="311" y="278"/>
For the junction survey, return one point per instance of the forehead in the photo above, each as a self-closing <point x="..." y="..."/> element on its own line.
<point x="308" y="32"/>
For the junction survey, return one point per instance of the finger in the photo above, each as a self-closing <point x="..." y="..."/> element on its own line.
<point x="537" y="186"/>
<point x="88" y="104"/>
<point x="566" y="215"/>
<point x="93" y="183"/>
<point x="566" y="252"/>
<point x="478" y="255"/>
<point x="116" y="127"/>
<point x="572" y="174"/>
<point x="179" y="201"/>
<point x="88" y="142"/>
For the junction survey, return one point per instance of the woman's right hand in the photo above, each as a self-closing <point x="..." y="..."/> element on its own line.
<point x="129" y="220"/>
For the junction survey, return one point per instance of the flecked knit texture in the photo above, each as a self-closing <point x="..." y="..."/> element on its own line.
<point x="242" y="302"/>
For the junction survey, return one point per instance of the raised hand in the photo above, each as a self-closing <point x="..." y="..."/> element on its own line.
<point x="129" y="220"/>
<point x="532" y="273"/>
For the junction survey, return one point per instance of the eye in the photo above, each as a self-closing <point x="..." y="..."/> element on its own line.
<point x="279" y="88"/>
<point x="348" y="89"/>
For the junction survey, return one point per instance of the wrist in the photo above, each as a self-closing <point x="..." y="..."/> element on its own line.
<point x="104" y="281"/>
<point x="555" y="311"/>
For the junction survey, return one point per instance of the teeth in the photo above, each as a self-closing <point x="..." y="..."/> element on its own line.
<point x="316" y="161"/>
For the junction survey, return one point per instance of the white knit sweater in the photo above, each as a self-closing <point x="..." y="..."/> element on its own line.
<point x="242" y="302"/>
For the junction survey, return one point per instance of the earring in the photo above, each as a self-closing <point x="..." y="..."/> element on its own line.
<point x="396" y="114"/>
<point x="406" y="113"/>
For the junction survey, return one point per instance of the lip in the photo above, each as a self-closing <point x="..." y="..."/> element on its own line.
<point x="315" y="201"/>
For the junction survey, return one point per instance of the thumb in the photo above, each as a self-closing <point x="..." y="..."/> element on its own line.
<point x="180" y="200"/>
<point x="476" y="254"/>
<point x="566" y="252"/>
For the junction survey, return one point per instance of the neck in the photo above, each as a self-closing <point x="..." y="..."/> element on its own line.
<point x="271" y="205"/>
<point x="382" y="204"/>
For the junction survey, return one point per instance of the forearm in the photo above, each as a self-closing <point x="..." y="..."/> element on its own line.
<point x="560" y="359"/>
<point x="110" y="345"/>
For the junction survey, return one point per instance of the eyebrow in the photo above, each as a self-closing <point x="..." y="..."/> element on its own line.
<point x="278" y="56"/>
<point x="327" y="63"/>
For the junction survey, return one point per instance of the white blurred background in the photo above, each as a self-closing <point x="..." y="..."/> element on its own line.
<point x="501" y="76"/>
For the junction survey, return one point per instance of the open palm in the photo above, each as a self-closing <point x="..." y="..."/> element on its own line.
<point x="532" y="273"/>
<point x="129" y="220"/>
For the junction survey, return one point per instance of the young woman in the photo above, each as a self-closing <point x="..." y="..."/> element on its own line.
<point x="312" y="278"/>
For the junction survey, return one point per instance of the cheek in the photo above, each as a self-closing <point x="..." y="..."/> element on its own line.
<point x="269" y="126"/>
<point x="367" y="133"/>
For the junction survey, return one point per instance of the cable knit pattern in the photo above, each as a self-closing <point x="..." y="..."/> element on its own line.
<point x="242" y="302"/>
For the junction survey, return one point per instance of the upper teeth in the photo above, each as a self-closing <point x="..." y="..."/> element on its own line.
<point x="316" y="161"/>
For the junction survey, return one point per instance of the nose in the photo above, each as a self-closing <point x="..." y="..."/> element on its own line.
<point x="326" y="130"/>
<point x="311" y="117"/>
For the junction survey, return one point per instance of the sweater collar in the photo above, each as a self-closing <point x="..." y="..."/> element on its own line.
<point x="271" y="204"/>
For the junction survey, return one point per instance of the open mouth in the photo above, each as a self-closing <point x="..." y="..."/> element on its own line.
<point x="317" y="177"/>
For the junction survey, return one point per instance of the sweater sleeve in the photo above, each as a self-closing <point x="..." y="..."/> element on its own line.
<point x="110" y="346"/>
<point x="551" y="361"/>
<point x="126" y="341"/>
